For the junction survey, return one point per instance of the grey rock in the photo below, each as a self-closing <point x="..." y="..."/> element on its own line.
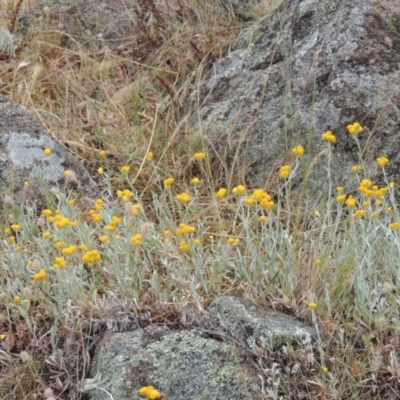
<point x="22" y="141"/>
<point x="308" y="67"/>
<point x="181" y="365"/>
<point x="242" y="319"/>
<point x="194" y="364"/>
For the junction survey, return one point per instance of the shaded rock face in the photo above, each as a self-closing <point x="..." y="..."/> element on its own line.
<point x="193" y="364"/>
<point x="308" y="67"/>
<point x="22" y="141"/>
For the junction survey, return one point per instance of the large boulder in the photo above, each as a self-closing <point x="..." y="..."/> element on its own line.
<point x="204" y="363"/>
<point x="22" y="141"/>
<point x="308" y="67"/>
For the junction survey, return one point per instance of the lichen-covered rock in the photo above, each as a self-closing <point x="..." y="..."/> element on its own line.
<point x="181" y="365"/>
<point x="22" y="141"/>
<point x="192" y="364"/>
<point x="243" y="319"/>
<point x="309" y="67"/>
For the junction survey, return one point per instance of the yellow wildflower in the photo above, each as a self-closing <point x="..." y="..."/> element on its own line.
<point x="249" y="201"/>
<point x="40" y="276"/>
<point x="59" y="262"/>
<point x="183" y="197"/>
<point x="240" y="189"/>
<point x="394" y="225"/>
<point x="90" y="257"/>
<point x="47" y="151"/>
<point x="196" y="241"/>
<point x="136" y="239"/>
<point x="221" y="193"/>
<point x="298" y="151"/>
<point x="329" y="137"/>
<point x="359" y="213"/>
<point x="199" y="156"/>
<point x="356" y="168"/>
<point x="262" y="218"/>
<point x="17" y="299"/>
<point x="355" y="128"/>
<point x="389" y="210"/>
<point x="284" y="172"/>
<point x="382" y="161"/>
<point x="26" y="184"/>
<point x="16" y="227"/>
<point x="68" y="251"/>
<point x="351" y="202"/>
<point x="103" y="238"/>
<point x="100" y="171"/>
<point x="125" y="169"/>
<point x="167" y="232"/>
<point x="312" y="306"/>
<point x="184" y="247"/>
<point x="366" y="204"/>
<point x="102" y="154"/>
<point x="325" y="370"/>
<point x="184" y="229"/>
<point x="318" y="261"/>
<point x="68" y="173"/>
<point x="168" y="183"/>
<point x="195" y="181"/>
<point x="392" y="185"/>
<point x="150" y="156"/>
<point x="135" y="209"/>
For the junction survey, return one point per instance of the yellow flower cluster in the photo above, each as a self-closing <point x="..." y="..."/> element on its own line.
<point x="263" y="199"/>
<point x="95" y="216"/>
<point x="68" y="251"/>
<point x="355" y="128"/>
<point x="356" y="168"/>
<point x="183" y="197"/>
<point x="329" y="137"/>
<point x="125" y="194"/>
<point x="184" y="247"/>
<point x="59" y="262"/>
<point x="91" y="256"/>
<point x="125" y="169"/>
<point x="284" y="172"/>
<point x="184" y="229"/>
<point x="359" y="213"/>
<point x="221" y="193"/>
<point x="168" y="183"/>
<point x="232" y="240"/>
<point x="16" y="227"/>
<point x="150" y="392"/>
<point x="135" y="209"/>
<point x="136" y="239"/>
<point x="61" y="222"/>
<point x="370" y="190"/>
<point x="103" y="238"/>
<point x="40" y="276"/>
<point x="382" y="161"/>
<point x="351" y="202"/>
<point x="240" y="189"/>
<point x="394" y="225"/>
<point x="298" y="151"/>
<point x="115" y="221"/>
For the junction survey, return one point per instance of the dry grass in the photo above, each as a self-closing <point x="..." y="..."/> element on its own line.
<point x="130" y="99"/>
